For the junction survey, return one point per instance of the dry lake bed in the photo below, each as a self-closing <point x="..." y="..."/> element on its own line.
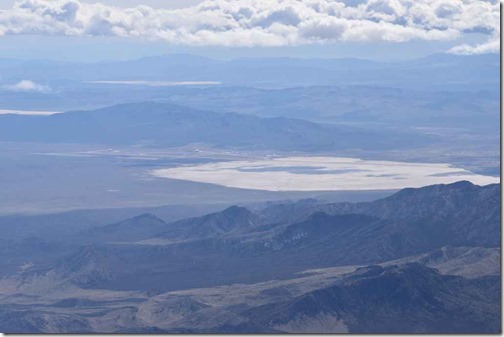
<point x="321" y="174"/>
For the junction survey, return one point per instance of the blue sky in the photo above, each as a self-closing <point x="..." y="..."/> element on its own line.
<point x="378" y="29"/>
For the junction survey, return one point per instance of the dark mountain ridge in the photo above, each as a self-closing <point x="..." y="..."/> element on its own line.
<point x="133" y="229"/>
<point x="305" y="269"/>
<point x="232" y="220"/>
<point x="461" y="212"/>
<point x="328" y="235"/>
<point x="398" y="299"/>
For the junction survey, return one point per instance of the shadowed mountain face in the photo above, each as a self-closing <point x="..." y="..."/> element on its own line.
<point x="413" y="221"/>
<point x="399" y="299"/>
<point x="133" y="229"/>
<point x="289" y="267"/>
<point x="459" y="213"/>
<point x="233" y="220"/>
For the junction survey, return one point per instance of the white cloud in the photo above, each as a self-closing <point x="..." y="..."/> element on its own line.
<point x="263" y="22"/>
<point x="27" y="86"/>
<point x="491" y="46"/>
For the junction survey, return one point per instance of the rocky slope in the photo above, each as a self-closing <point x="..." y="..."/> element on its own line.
<point x="421" y="260"/>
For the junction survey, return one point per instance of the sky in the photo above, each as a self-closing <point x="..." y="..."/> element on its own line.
<point x="87" y="30"/>
<point x="169" y="4"/>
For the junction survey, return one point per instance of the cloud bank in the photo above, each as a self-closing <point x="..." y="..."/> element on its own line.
<point x="27" y="86"/>
<point x="265" y="22"/>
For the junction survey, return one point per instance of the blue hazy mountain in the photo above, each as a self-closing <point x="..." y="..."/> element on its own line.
<point x="162" y="124"/>
<point x="440" y="71"/>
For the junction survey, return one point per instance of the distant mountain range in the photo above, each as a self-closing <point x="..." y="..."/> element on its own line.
<point x="420" y="261"/>
<point x="440" y="71"/>
<point x="359" y="105"/>
<point x="161" y="124"/>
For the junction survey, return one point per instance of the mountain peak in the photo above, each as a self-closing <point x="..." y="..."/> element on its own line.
<point x="232" y="219"/>
<point x="237" y="211"/>
<point x="146" y="217"/>
<point x="128" y="230"/>
<point x="139" y="221"/>
<point x="461" y="184"/>
<point x="434" y="189"/>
